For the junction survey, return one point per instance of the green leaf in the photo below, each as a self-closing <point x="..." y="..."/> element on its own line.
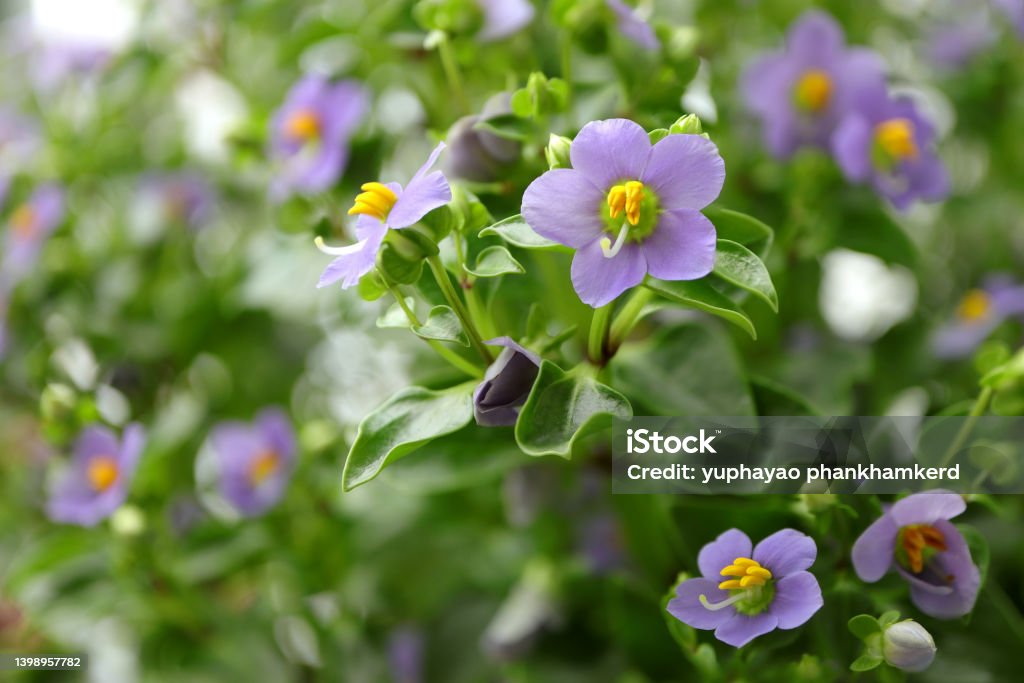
<point x="866" y="662"/>
<point x="564" y="406"/>
<point x="508" y="126"/>
<point x="371" y="287"/>
<point x="888" y="618"/>
<point x="657" y="135"/>
<point x="397" y="268"/>
<point x="684" y="634"/>
<point x="875" y="233"/>
<point x="495" y="261"/>
<point x="515" y="230"/>
<point x="522" y="103"/>
<point x="739" y="266"/>
<point x="863" y="626"/>
<point x="395" y="316"/>
<point x="443" y="325"/>
<point x="978" y="546"/>
<point x="404" y="422"/>
<point x="701" y="295"/>
<point x="740" y="228"/>
<point x="774" y="398"/>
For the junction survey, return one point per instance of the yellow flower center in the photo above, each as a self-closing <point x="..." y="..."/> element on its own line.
<point x="626" y="197"/>
<point x="376" y="200"/>
<point x="814" y="90"/>
<point x="746" y="573"/>
<point x="303" y="125"/>
<point x="915" y="538"/>
<point x="896" y="138"/>
<point x="102" y="472"/>
<point x="24" y="221"/>
<point x="975" y="306"/>
<point x="264" y="465"/>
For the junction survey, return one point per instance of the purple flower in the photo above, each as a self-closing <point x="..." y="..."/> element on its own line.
<point x="744" y="594"/>
<point x="915" y="536"/>
<point x="953" y="45"/>
<point x="254" y="461"/>
<point x="379" y="207"/>
<point x="1014" y="11"/>
<point x="502" y="18"/>
<point x="801" y="92"/>
<point x="507" y="383"/>
<point x="309" y="134"/>
<point x="179" y="197"/>
<point x="979" y="313"/>
<point x="28" y="227"/>
<point x="632" y="25"/>
<point x="629" y="208"/>
<point x="480" y="155"/>
<point x="888" y="143"/>
<point x="96" y="482"/>
<point x="406" y="654"/>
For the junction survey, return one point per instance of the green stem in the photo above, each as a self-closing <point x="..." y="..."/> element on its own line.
<point x="980" y="406"/>
<point x="1006" y="608"/>
<point x="451" y="73"/>
<point x="449" y="355"/>
<point x="627" y="318"/>
<point x="445" y="283"/>
<point x="597" y="344"/>
<point x="481" y="316"/>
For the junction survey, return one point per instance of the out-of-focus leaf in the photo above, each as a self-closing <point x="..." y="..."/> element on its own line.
<point x="443" y="325"/>
<point x="863" y="625"/>
<point x="395" y="316"/>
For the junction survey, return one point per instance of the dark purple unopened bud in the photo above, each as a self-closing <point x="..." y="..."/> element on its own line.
<point x="479" y="155"/>
<point x="507" y="383"/>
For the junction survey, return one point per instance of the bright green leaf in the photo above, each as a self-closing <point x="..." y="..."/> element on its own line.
<point x="740" y="228"/>
<point x="863" y="626"/>
<point x="495" y="261"/>
<point x="395" y="316"/>
<point x="515" y="230"/>
<point x="702" y="296"/>
<point x="442" y="324"/>
<point x="508" y="126"/>
<point x="866" y="662"/>
<point x="741" y="267"/>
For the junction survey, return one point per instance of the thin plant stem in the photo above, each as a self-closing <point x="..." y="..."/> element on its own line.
<point x="452" y="297"/>
<point x="980" y="406"/>
<point x="627" y="318"/>
<point x="452" y="73"/>
<point x="597" y="344"/>
<point x="481" y="316"/>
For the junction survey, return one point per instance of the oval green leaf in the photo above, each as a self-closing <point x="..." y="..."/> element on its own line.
<point x="495" y="261"/>
<point x="515" y="230"/>
<point x="741" y="267"/>
<point x="443" y="325"/>
<point x="741" y="228"/>
<point x="702" y="296"/>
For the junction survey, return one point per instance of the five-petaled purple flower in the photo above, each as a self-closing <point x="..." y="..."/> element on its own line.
<point x="629" y="208"/>
<point x="96" y="482"/>
<point x="888" y="143"/>
<point x="915" y="536"/>
<point x="979" y="313"/>
<point x="632" y="25"/>
<point x="802" y="92"/>
<point x="502" y="18"/>
<point x="29" y="225"/>
<point x="379" y="207"/>
<point x="747" y="591"/>
<point x="506" y="385"/>
<point x="254" y="461"/>
<point x="310" y="134"/>
<point x="181" y="197"/>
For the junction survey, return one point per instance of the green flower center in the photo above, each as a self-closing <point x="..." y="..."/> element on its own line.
<point x="750" y="586"/>
<point x="630" y="214"/>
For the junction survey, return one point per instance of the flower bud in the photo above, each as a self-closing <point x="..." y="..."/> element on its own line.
<point x="687" y="125"/>
<point x="557" y="151"/>
<point x="907" y="645"/>
<point x="480" y="155"/>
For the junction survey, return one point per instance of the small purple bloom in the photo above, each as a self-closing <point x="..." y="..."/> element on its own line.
<point x="915" y="537"/>
<point x="507" y="383"/>
<point x="979" y="313"/>
<point x="747" y="591"/>
<point x="254" y="461"/>
<point x="502" y="18"/>
<point x="379" y="207"/>
<point x="178" y="197"/>
<point x="801" y="92"/>
<point x="28" y="227"/>
<point x="406" y="654"/>
<point x="96" y="482"/>
<point x="888" y="143"/>
<point x="480" y="155"/>
<point x="632" y="25"/>
<point x="629" y="208"/>
<point x="309" y="134"/>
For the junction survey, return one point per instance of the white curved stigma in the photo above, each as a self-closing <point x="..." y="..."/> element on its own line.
<point x="610" y="250"/>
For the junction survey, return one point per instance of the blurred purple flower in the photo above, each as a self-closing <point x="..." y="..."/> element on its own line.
<point x="97" y="479"/>
<point x="502" y="18"/>
<point x="889" y="144"/>
<point x="55" y="63"/>
<point x="979" y="313"/>
<point x="801" y="92"/>
<point x="28" y="227"/>
<point x="601" y="543"/>
<point x="309" y="134"/>
<point x="480" y="155"/>
<point x="405" y="654"/>
<point x="180" y="197"/>
<point x="915" y="537"/>
<point x="953" y="45"/>
<point x="632" y="25"/>
<point x="507" y="382"/>
<point x="254" y="461"/>
<point x="763" y="589"/>
<point x="379" y="207"/>
<point x="1014" y="11"/>
<point x="629" y="208"/>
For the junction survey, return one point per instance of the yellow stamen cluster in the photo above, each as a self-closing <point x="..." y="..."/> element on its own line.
<point x="896" y="138"/>
<point x="975" y="306"/>
<point x="747" y="573"/>
<point x="264" y="465"/>
<point x="303" y="125"/>
<point x="814" y="90"/>
<point x="23" y="220"/>
<point x="626" y="197"/>
<point x="376" y="200"/>
<point x="916" y="538"/>
<point x="102" y="472"/>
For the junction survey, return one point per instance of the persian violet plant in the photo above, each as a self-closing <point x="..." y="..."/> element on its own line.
<point x="254" y="461"/>
<point x="28" y="228"/>
<point x="914" y="537"/>
<point x="979" y="313"/>
<point x="96" y="482"/>
<point x="746" y="591"/>
<point x="629" y="208"/>
<point x="506" y="385"/>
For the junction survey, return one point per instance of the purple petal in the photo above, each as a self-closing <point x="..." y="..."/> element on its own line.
<point x="564" y="206"/>
<point x="815" y="37"/>
<point x="958" y="340"/>
<point x="359" y="258"/>
<point x="720" y="553"/>
<point x="763" y="82"/>
<point x="686" y="605"/>
<point x="632" y="26"/>
<point x="424" y="193"/>
<point x="610" y="151"/>
<point x="927" y="507"/>
<point x="686" y="171"/>
<point x="851" y="147"/>
<point x="96" y="440"/>
<point x="276" y="430"/>
<point x="133" y="440"/>
<point x="502" y="18"/>
<point x="955" y="565"/>
<point x="872" y="553"/>
<point x="929" y="179"/>
<point x="742" y="629"/>
<point x="786" y="552"/>
<point x="682" y="246"/>
<point x="506" y="384"/>
<point x="797" y="598"/>
<point x="599" y="280"/>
